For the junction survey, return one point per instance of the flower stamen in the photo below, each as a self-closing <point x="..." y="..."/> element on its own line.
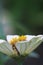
<point x="15" y="40"/>
<point x="22" y="38"/>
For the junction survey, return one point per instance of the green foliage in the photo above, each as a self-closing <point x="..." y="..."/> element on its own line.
<point x="3" y="58"/>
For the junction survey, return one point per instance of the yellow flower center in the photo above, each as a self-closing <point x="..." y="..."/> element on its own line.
<point x="15" y="40"/>
<point x="22" y="38"/>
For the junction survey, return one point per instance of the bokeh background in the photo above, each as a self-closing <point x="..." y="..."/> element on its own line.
<point x="22" y="17"/>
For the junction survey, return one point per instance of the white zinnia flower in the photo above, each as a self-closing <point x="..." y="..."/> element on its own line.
<point x="22" y="45"/>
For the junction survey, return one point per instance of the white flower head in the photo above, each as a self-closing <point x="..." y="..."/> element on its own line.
<point x="20" y="45"/>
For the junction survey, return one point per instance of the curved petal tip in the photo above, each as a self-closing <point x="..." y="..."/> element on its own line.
<point x="1" y="41"/>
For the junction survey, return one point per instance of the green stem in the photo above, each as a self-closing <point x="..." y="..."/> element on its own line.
<point x="19" y="59"/>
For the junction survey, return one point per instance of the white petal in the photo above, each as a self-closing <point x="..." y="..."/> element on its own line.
<point x="5" y="48"/>
<point x="1" y="41"/>
<point x="29" y="37"/>
<point x="21" y="46"/>
<point x="41" y="37"/>
<point x="9" y="37"/>
<point x="27" y="47"/>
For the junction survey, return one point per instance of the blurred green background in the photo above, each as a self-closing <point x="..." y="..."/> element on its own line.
<point x="20" y="17"/>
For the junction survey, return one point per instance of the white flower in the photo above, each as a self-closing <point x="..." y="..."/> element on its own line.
<point x="20" y="45"/>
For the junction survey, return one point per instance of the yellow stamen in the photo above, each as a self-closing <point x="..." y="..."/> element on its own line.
<point x="22" y="38"/>
<point x="15" y="40"/>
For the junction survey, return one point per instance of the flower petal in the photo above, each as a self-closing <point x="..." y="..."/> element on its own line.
<point x="26" y="47"/>
<point x="6" y="48"/>
<point x="9" y="37"/>
<point x="29" y="37"/>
